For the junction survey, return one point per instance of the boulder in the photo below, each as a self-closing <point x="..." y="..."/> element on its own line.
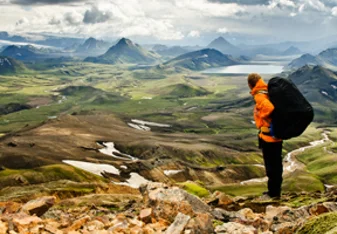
<point x="167" y="202"/>
<point x="39" y="206"/>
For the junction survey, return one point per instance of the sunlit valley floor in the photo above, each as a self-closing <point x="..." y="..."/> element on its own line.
<point x="80" y="128"/>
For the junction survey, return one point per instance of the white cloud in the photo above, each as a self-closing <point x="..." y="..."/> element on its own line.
<point x="222" y="30"/>
<point x="334" y="11"/>
<point x="194" y="33"/>
<point x="162" y="30"/>
<point x="21" y="21"/>
<point x="210" y="9"/>
<point x="281" y="3"/>
<point x="171" y="19"/>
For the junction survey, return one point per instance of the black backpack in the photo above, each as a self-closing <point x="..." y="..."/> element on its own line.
<point x="292" y="113"/>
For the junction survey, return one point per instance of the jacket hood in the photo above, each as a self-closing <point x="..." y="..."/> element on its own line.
<point x="260" y="85"/>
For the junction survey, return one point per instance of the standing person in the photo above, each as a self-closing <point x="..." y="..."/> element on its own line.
<point x="271" y="147"/>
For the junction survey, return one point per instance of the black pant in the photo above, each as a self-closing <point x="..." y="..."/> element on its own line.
<point x="272" y="155"/>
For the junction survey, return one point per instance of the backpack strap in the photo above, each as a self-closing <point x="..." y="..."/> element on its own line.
<point x="262" y="92"/>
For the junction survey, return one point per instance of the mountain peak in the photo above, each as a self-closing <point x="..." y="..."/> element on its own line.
<point x="91" y="39"/>
<point x="224" y="46"/>
<point x="124" y="41"/>
<point x="221" y="40"/>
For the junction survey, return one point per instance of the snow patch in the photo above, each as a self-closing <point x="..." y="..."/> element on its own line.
<point x="135" y="181"/>
<point x="94" y="168"/>
<point x="153" y="124"/>
<point x="172" y="172"/>
<point x="111" y="150"/>
<point x="325" y="93"/>
<point x="139" y="127"/>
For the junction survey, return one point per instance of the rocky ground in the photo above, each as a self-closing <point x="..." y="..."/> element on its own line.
<point x="160" y="208"/>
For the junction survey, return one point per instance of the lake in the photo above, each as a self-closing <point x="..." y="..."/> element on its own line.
<point x="245" y="69"/>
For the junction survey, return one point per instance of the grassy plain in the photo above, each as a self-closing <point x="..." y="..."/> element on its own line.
<point x="210" y="118"/>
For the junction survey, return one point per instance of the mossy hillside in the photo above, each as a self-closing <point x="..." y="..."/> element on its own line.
<point x="194" y="188"/>
<point x="184" y="91"/>
<point x="302" y="181"/>
<point x="312" y="133"/>
<point x="320" y="162"/>
<point x="320" y="225"/>
<point x="242" y="190"/>
<point x="9" y="177"/>
<point x="61" y="189"/>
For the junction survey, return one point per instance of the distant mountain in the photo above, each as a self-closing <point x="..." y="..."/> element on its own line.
<point x="306" y="59"/>
<point x="93" y="45"/>
<point x="319" y="86"/>
<point x="159" y="47"/>
<point x="10" y="66"/>
<point x="327" y="58"/>
<point x="244" y="58"/>
<point x="316" y="83"/>
<point x="202" y="59"/>
<point x="292" y="50"/>
<point x="224" y="46"/>
<point x="4" y="35"/>
<point x="169" y="51"/>
<point x="22" y="53"/>
<point x="125" y="52"/>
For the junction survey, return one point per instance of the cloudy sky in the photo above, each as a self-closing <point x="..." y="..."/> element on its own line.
<point x="174" y="21"/>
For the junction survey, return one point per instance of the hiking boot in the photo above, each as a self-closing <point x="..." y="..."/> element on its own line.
<point x="263" y="198"/>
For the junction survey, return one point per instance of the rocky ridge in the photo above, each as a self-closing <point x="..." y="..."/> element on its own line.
<point x="160" y="208"/>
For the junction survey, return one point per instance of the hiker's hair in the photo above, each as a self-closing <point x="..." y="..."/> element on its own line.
<point x="253" y="78"/>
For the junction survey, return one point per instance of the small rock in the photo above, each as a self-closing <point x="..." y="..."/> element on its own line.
<point x="272" y="211"/>
<point x="135" y="222"/>
<point x="78" y="224"/>
<point x="9" y="207"/>
<point x="178" y="226"/>
<point x="159" y="226"/>
<point x="53" y="227"/>
<point x="318" y="209"/>
<point x="39" y="206"/>
<point x="284" y="228"/>
<point x="146" y="215"/>
<point x="202" y="223"/>
<point x="3" y="227"/>
<point x="24" y="222"/>
<point x="94" y="225"/>
<point x="234" y="228"/>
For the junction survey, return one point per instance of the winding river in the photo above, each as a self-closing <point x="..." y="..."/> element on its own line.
<point x="290" y="163"/>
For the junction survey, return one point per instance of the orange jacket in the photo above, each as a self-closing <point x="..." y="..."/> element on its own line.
<point x="263" y="109"/>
